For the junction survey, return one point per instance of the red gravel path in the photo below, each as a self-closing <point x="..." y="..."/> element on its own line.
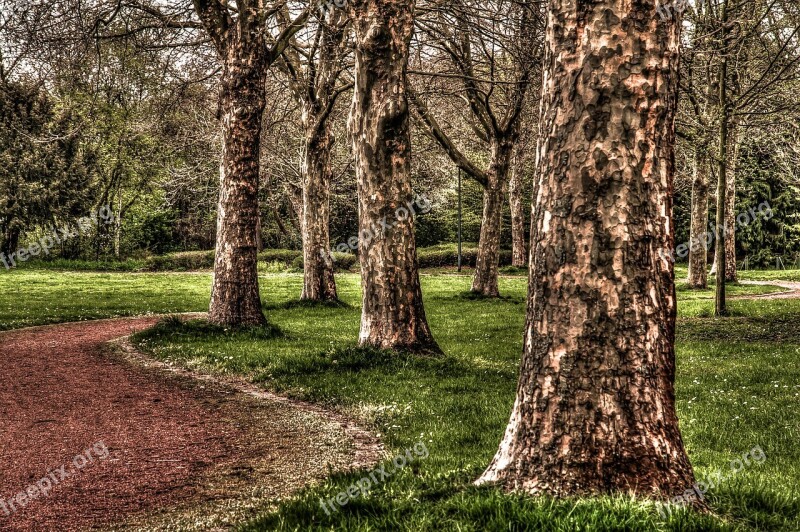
<point x="58" y="398"/>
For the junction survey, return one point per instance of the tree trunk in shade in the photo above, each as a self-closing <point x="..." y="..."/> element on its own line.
<point x="487" y="262"/>
<point x="720" y="259"/>
<point x="519" y="249"/>
<point x="595" y="405"/>
<point x="698" y="250"/>
<point x="10" y="242"/>
<point x="731" y="275"/>
<point x="235" y="298"/>
<point x="318" y="279"/>
<point x="730" y="205"/>
<point x="392" y="315"/>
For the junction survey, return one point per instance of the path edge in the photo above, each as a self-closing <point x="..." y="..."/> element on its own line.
<point x="369" y="449"/>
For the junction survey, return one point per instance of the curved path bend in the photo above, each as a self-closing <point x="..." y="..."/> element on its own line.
<point x="98" y="437"/>
<point x="792" y="290"/>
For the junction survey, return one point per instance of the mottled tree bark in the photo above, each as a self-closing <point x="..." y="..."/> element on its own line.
<point x="519" y="249"/>
<point x="487" y="262"/>
<point x="318" y="279"/>
<point x="235" y="298"/>
<point x="698" y="251"/>
<point x="246" y="49"/>
<point x="595" y="406"/>
<point x="392" y="315"/>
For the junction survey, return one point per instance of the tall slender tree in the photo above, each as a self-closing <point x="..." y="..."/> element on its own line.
<point x="315" y="69"/>
<point x="493" y="51"/>
<point x="698" y="252"/>
<point x="392" y="315"/>
<point x="595" y="406"/>
<point x="720" y="307"/>
<point x="519" y="249"/>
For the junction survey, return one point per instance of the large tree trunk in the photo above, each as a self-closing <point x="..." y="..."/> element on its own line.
<point x="595" y="406"/>
<point x="519" y="250"/>
<point x="318" y="279"/>
<point x="235" y="298"/>
<point x="698" y="251"/>
<point x="487" y="263"/>
<point x="392" y="315"/>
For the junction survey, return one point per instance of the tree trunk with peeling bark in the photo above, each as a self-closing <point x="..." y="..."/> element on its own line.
<point x="235" y="298"/>
<point x="519" y="249"/>
<point x="698" y="250"/>
<point x="595" y="407"/>
<point x="246" y="49"/>
<point x="318" y="278"/>
<point x="487" y="262"/>
<point x="392" y="315"/>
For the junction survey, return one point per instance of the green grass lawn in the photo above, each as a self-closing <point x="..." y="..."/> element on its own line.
<point x="738" y="387"/>
<point x="770" y="275"/>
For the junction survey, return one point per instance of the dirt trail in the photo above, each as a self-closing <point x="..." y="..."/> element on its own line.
<point x="792" y="290"/>
<point x="199" y="451"/>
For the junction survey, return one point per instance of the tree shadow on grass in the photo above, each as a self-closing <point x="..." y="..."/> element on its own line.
<point x="784" y="329"/>
<point x="355" y="359"/>
<point x="469" y="295"/>
<point x="411" y="503"/>
<point x="174" y="326"/>
<point x="306" y="303"/>
<point x="758" y="505"/>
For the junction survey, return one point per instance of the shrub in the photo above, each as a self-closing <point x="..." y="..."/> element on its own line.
<point x="129" y="265"/>
<point x="286" y="256"/>
<point x="344" y="261"/>
<point x="297" y="263"/>
<point x="181" y="261"/>
<point x="274" y="266"/>
<point x="446" y="255"/>
<point x="341" y="261"/>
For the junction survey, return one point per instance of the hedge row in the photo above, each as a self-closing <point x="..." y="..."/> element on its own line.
<point x="181" y="261"/>
<point x="444" y="255"/>
<point x="204" y="260"/>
